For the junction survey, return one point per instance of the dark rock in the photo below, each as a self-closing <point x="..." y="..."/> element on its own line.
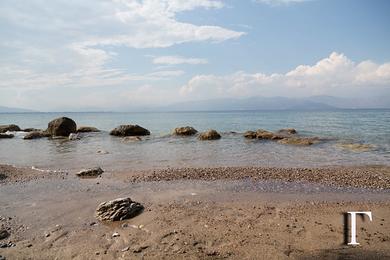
<point x="129" y="130"/>
<point x="11" y="128"/>
<point x="31" y="130"/>
<point x="36" y="135"/>
<point x="2" y="257"/>
<point x="87" y="129"/>
<point x="210" y="135"/>
<point x="4" y="136"/>
<point x="62" y="126"/>
<point x="3" y="233"/>
<point x="185" y="130"/>
<point x="118" y="209"/>
<point x="93" y="172"/>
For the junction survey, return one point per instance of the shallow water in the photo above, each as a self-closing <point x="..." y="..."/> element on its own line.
<point x="159" y="150"/>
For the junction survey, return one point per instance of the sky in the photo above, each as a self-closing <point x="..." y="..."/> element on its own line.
<point x="116" y="54"/>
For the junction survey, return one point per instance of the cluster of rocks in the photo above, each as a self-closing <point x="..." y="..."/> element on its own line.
<point x="283" y="136"/>
<point x="66" y="127"/>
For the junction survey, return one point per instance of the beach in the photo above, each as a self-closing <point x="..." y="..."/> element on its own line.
<point x="196" y="213"/>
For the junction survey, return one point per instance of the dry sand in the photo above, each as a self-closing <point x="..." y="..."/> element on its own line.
<point x="196" y="214"/>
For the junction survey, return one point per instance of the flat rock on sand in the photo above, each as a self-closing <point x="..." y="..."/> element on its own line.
<point x="118" y="209"/>
<point x="93" y="172"/>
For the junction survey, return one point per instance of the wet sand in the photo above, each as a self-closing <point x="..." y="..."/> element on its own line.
<point x="234" y="213"/>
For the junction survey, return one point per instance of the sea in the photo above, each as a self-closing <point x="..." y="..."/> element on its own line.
<point x="352" y="138"/>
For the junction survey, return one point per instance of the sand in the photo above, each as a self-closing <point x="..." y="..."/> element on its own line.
<point x="233" y="213"/>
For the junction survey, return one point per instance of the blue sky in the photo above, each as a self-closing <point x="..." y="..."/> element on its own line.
<point x="116" y="54"/>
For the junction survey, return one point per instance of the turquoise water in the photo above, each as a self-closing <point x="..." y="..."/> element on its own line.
<point x="161" y="150"/>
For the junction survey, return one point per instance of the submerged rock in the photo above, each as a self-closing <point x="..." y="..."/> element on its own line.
<point x="185" y="130"/>
<point x="93" y="172"/>
<point x="132" y="139"/>
<point x="62" y="126"/>
<point x="6" y="136"/>
<point x="356" y="147"/>
<point x="87" y="129"/>
<point x="129" y="130"/>
<point x="209" y="135"/>
<point x="118" y="209"/>
<point x="36" y="135"/>
<point x="11" y="128"/>
<point x="299" y="140"/>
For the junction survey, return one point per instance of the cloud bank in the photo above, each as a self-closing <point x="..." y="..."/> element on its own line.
<point x="331" y="75"/>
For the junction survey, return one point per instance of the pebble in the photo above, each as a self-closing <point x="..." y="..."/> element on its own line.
<point x="115" y="234"/>
<point x="125" y="249"/>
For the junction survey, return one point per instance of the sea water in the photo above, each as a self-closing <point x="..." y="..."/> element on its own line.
<point x="160" y="150"/>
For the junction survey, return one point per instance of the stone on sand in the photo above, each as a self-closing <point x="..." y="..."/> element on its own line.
<point x="62" y="126"/>
<point x="3" y="233"/>
<point x="118" y="209"/>
<point x="129" y="130"/>
<point x="210" y="135"/>
<point x="92" y="172"/>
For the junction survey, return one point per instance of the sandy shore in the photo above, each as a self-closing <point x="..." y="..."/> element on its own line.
<point x="234" y="213"/>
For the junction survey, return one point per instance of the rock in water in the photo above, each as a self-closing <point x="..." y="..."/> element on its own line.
<point x="250" y="135"/>
<point x="304" y="141"/>
<point x="87" y="129"/>
<point x="11" y="128"/>
<point x="36" y="135"/>
<point x="4" y="136"/>
<point x="129" y="130"/>
<point x="185" y="130"/>
<point x="62" y="126"/>
<point x="93" y="172"/>
<point x="210" y="135"/>
<point x="3" y="233"/>
<point x="118" y="209"/>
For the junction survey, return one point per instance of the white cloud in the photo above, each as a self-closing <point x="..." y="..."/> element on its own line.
<point x="175" y="60"/>
<point x="69" y="43"/>
<point x="334" y="74"/>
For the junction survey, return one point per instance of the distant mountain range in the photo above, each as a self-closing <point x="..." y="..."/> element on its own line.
<point x="252" y="103"/>
<point x="278" y="103"/>
<point x="14" y="110"/>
